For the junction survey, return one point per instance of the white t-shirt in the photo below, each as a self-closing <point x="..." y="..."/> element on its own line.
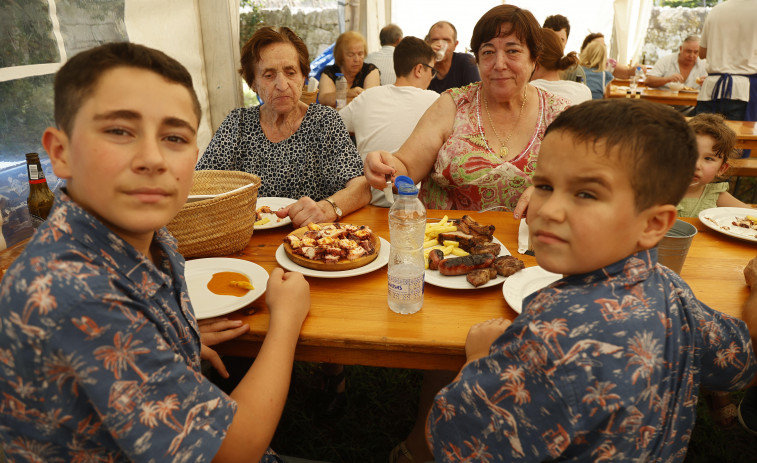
<point x="576" y="92"/>
<point x="730" y="37"/>
<point x="382" y="118"/>
<point x="668" y="65"/>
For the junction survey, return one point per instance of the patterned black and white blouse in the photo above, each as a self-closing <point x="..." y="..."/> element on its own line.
<point x="317" y="161"/>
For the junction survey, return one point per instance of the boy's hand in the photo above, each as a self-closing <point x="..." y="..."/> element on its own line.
<point x="288" y="296"/>
<point x="215" y="331"/>
<point x="219" y="329"/>
<point x="482" y="335"/>
<point x="750" y="274"/>
<point x="206" y="353"/>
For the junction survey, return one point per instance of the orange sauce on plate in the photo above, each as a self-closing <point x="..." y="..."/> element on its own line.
<point x="220" y="285"/>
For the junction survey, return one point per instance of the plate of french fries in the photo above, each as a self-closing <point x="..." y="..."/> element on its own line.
<point x="265" y="212"/>
<point x="451" y="249"/>
<point x="207" y="304"/>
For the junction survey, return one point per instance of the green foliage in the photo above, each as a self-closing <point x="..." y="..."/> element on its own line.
<point x="250" y="18"/>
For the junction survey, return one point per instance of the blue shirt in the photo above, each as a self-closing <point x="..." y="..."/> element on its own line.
<point x="605" y="365"/>
<point x="597" y="81"/>
<point x="100" y="351"/>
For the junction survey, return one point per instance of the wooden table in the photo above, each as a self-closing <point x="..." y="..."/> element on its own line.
<point x="746" y="134"/>
<point x="350" y="322"/>
<point x="657" y="95"/>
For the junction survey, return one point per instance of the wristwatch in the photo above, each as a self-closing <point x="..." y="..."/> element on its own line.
<point x="337" y="210"/>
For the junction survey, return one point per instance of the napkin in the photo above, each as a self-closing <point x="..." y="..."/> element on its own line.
<point x="523" y="239"/>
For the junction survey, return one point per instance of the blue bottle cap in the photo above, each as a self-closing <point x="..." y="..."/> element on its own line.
<point x="405" y="185"/>
<point x="339" y="74"/>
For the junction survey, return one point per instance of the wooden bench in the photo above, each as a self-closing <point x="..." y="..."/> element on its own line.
<point x="743" y="167"/>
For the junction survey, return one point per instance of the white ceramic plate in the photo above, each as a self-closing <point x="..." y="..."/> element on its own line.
<point x="377" y="263"/>
<point x="275" y="204"/>
<point x="206" y="304"/>
<point x="720" y="219"/>
<point x="527" y="281"/>
<point x="435" y="278"/>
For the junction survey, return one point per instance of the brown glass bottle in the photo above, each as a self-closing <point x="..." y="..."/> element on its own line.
<point x="40" y="197"/>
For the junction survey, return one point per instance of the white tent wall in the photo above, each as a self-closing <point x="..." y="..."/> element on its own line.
<point x="203" y="36"/>
<point x="631" y="23"/>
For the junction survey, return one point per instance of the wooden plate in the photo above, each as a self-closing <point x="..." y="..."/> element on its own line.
<point x="331" y="266"/>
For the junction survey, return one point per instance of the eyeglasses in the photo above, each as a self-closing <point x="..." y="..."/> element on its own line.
<point x="433" y="70"/>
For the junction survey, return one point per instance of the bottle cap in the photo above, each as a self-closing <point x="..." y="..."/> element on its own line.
<point x="405" y="185"/>
<point x="339" y="74"/>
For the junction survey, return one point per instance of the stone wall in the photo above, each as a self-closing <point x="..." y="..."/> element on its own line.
<point x="319" y="28"/>
<point x="668" y="27"/>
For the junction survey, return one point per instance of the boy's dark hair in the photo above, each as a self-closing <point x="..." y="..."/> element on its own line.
<point x="410" y="52"/>
<point x="253" y="49"/>
<point x="714" y="126"/>
<point x="558" y="22"/>
<point x="77" y="78"/>
<point x="653" y="141"/>
<point x="390" y="34"/>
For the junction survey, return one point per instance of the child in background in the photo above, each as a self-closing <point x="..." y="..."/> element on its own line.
<point x="716" y="143"/>
<point x="99" y="348"/>
<point x="606" y="363"/>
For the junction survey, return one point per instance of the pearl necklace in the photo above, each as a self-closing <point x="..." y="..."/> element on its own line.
<point x="504" y="151"/>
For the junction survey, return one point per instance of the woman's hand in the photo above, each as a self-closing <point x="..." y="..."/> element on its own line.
<point x="522" y="207"/>
<point x="305" y="210"/>
<point x="377" y="165"/>
<point x="482" y="335"/>
<point x="215" y="331"/>
<point x="354" y="92"/>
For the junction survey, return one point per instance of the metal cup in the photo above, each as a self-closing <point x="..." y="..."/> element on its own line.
<point x="674" y="246"/>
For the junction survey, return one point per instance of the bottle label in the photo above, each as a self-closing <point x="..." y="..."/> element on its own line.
<point x="34" y="173"/>
<point x="403" y="289"/>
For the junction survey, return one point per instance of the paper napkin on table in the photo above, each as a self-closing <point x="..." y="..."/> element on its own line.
<point x="523" y="238"/>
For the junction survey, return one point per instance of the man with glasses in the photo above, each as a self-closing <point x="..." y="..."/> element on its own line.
<point x="383" y="117"/>
<point x="454" y="69"/>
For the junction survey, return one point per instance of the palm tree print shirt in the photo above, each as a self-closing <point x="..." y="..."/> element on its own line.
<point x="601" y="366"/>
<point x="100" y="351"/>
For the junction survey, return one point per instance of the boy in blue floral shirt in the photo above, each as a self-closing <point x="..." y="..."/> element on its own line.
<point x="606" y="363"/>
<point x="99" y="348"/>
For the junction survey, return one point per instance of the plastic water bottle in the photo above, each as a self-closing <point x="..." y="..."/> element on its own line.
<point x="341" y="91"/>
<point x="407" y="224"/>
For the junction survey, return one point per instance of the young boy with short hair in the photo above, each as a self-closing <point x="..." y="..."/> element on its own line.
<point x="607" y="362"/>
<point x="99" y="348"/>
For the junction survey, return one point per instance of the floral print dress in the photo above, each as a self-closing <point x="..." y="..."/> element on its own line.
<point x="467" y="173"/>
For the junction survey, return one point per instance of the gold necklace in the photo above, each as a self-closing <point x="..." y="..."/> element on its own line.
<point x="503" y="151"/>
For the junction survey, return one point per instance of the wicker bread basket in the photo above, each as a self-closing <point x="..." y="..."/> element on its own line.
<point x="217" y="226"/>
<point x="308" y="97"/>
